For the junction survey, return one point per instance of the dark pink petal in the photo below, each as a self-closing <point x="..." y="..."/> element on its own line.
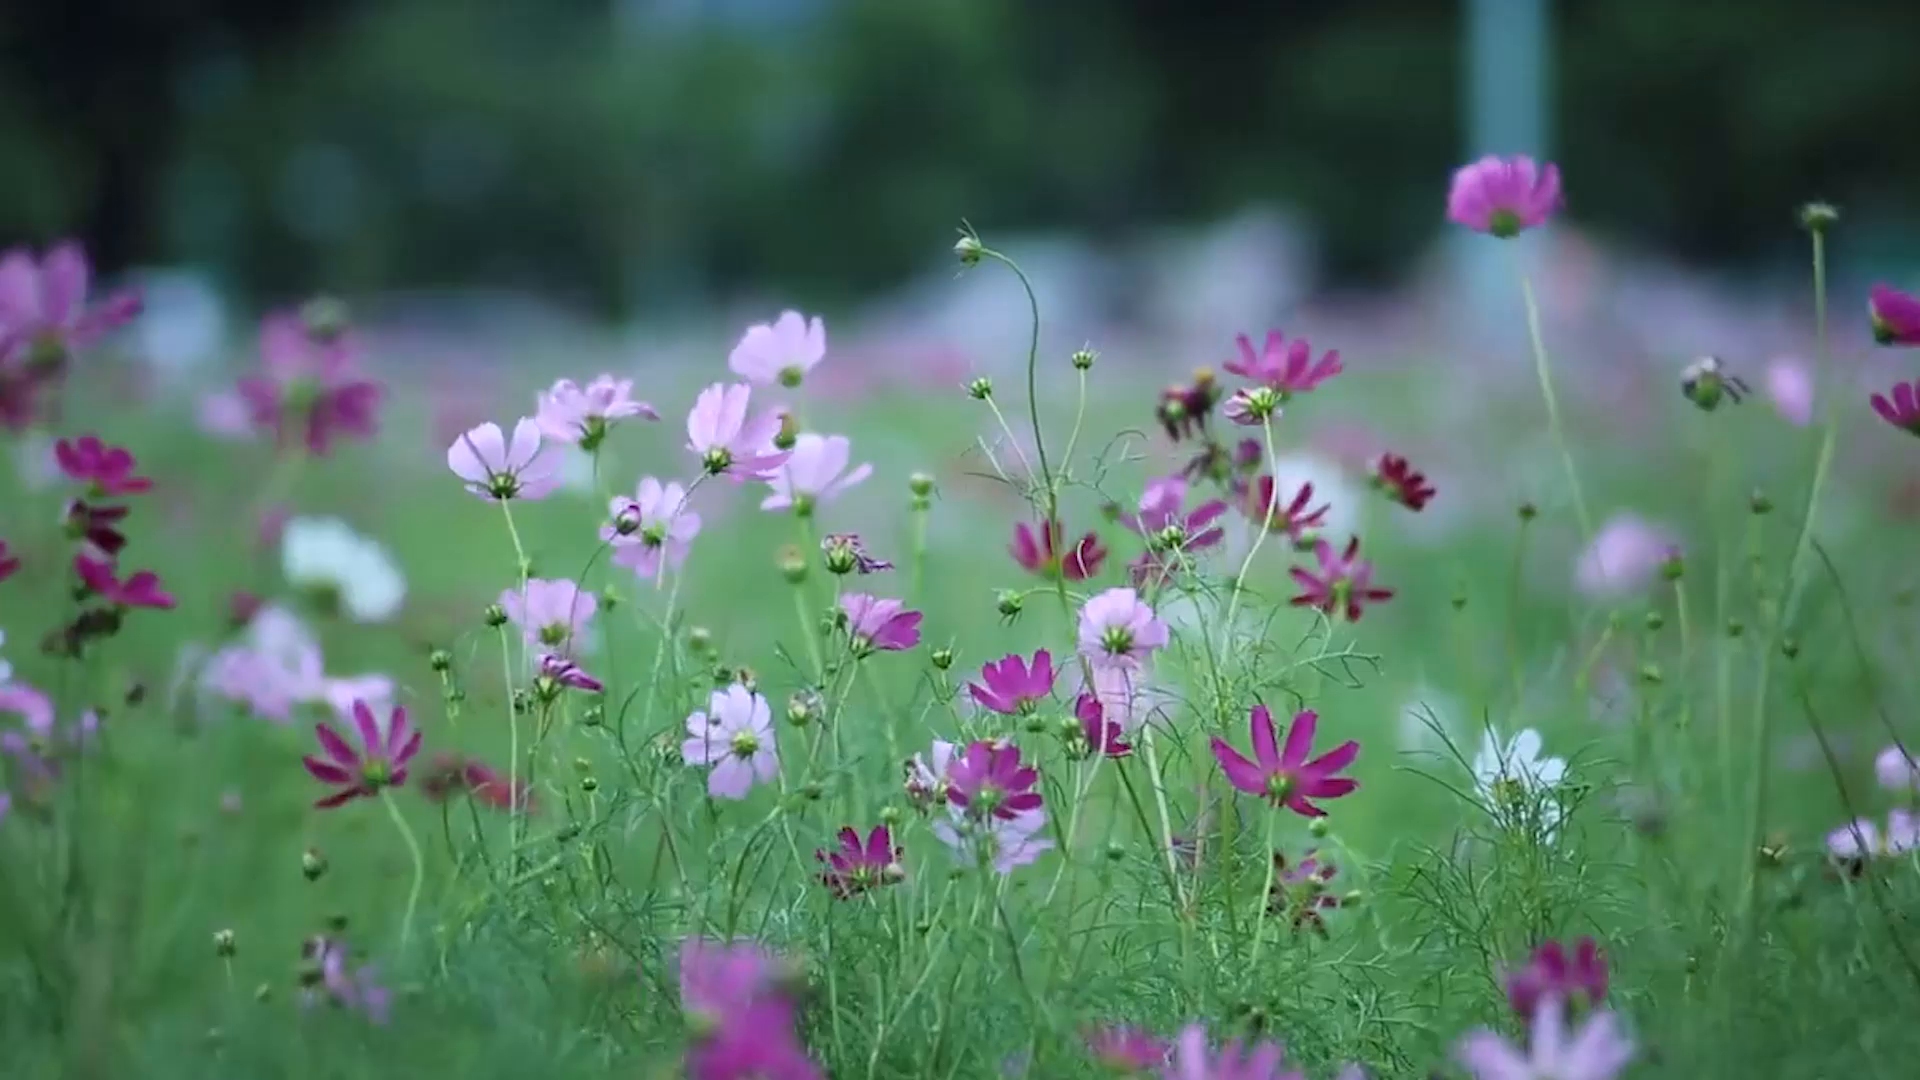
<point x="335" y="746"/>
<point x="397" y="731"/>
<point x="405" y="755"/>
<point x="369" y="727"/>
<point x="1241" y="773"/>
<point x="1300" y="738"/>
<point x="1331" y="788"/>
<point x="1335" y="759"/>
<point x="326" y="772"/>
<point x="338" y="798"/>
<point x="1260" y="728"/>
<point x="1297" y="802"/>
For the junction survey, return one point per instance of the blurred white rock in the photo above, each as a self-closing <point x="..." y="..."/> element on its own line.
<point x="184" y="325"/>
<point x="1240" y="275"/>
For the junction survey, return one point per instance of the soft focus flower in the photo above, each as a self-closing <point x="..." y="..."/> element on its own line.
<point x="108" y="469"/>
<point x="44" y="314"/>
<point x="6" y="669"/>
<point x="1127" y="695"/>
<point x="1503" y="196"/>
<point x="1623" y="557"/>
<point x="325" y="556"/>
<point x="1183" y="409"/>
<point x="812" y="473"/>
<point x="1597" y="1051"/>
<point x="861" y="865"/>
<point x="358" y="990"/>
<point x="1343" y="584"/>
<point x="1287" y="368"/>
<point x="449" y="774"/>
<point x="1790" y="386"/>
<point x="1284" y="776"/>
<point x="570" y="413"/>
<point x="278" y="667"/>
<point x="926" y="784"/>
<point x="1516" y="780"/>
<point x="1301" y="890"/>
<point x="654" y="528"/>
<point x="735" y="737"/>
<point x="726" y="441"/>
<point x="1861" y="839"/>
<point x="1104" y="736"/>
<point x="1012" y="686"/>
<point x="1894" y="767"/>
<point x="1895" y="316"/>
<point x="1395" y="476"/>
<point x="551" y="615"/>
<point x="879" y="623"/>
<point x="990" y="779"/>
<point x="1900" y="407"/>
<point x="381" y="761"/>
<point x="782" y="352"/>
<point x="1579" y="979"/>
<point x="9" y="563"/>
<point x="564" y="672"/>
<point x="844" y="552"/>
<point x="1193" y="1059"/>
<point x="1125" y="1049"/>
<point x="1039" y="551"/>
<point x="740" y="1013"/>
<point x="97" y="525"/>
<point x="497" y="470"/>
<point x="1297" y="518"/>
<point x="140" y="590"/>
<point x="1006" y="844"/>
<point x="1118" y="628"/>
<point x="309" y="386"/>
<point x="1168" y="528"/>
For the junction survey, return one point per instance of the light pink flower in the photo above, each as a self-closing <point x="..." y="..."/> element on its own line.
<point x="1896" y="769"/>
<point x="1623" y="558"/>
<point x="782" y="352"/>
<point x="497" y="470"/>
<point x="1118" y="628"/>
<point x="309" y="386"/>
<point x="570" y="413"/>
<point x="224" y="414"/>
<point x="1006" y="844"/>
<point x="1598" y="1050"/>
<point x="926" y="784"/>
<point x="551" y="615"/>
<point x="1790" y="385"/>
<point x="1503" y="196"/>
<point x="726" y="441"/>
<point x="43" y="305"/>
<point x="812" y="473"/>
<point x="735" y="737"/>
<point x="655" y="525"/>
<point x="879" y="623"/>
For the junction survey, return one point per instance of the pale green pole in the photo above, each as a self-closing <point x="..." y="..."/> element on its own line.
<point x="1508" y="58"/>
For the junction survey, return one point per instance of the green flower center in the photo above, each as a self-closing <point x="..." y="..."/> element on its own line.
<point x="376" y="773"/>
<point x="595" y="433"/>
<point x="654" y="535"/>
<point x="717" y="460"/>
<point x="554" y="634"/>
<point x="790" y="377"/>
<point x="1280" y="787"/>
<point x="1116" y="640"/>
<point x="745" y="744"/>
<point x="503" y="485"/>
<point x="1504" y="224"/>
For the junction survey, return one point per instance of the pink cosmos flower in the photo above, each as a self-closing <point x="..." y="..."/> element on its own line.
<point x="1287" y="368"/>
<point x="1163" y="522"/>
<point x="726" y="441"/>
<point x="1042" y="554"/>
<point x="1285" y="777"/>
<point x="570" y="413"/>
<point x="1598" y="1050"/>
<point x="1623" y="557"/>
<point x="140" y="590"/>
<point x="1127" y="695"/>
<point x="844" y="550"/>
<point x="1790" y="386"/>
<point x="1118" y="628"/>
<point x="1193" y="1059"/>
<point x="655" y="528"/>
<point x="1005" y="844"/>
<point x="1896" y="770"/>
<point x="1895" y="316"/>
<point x="861" y="865"/>
<point x="1343" y="584"/>
<point x="1503" y="196"/>
<point x="719" y="980"/>
<point x="551" y="614"/>
<point x="1302" y="890"/>
<point x="782" y="352"/>
<point x="1900" y="407"/>
<point x="1011" y="686"/>
<point x="380" y="763"/>
<point x="1127" y="1049"/>
<point x="735" y="737"/>
<point x="309" y="386"/>
<point x="879" y="623"/>
<point x="1395" y="476"/>
<point x="1261" y="504"/>
<point x="989" y="779"/>
<point x="97" y="525"/>
<point x="1104" y="736"/>
<point x="812" y="473"/>
<point x="224" y="414"/>
<point x="9" y="563"/>
<point x="741" y="1014"/>
<point x="926" y="785"/>
<point x="564" y="672"/>
<point x="109" y="470"/>
<point x="1861" y="839"/>
<point x="359" y="990"/>
<point x="497" y="470"/>
<point x="1577" y="979"/>
<point x="44" y="316"/>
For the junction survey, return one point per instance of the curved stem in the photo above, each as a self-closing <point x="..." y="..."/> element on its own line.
<point x="1033" y="365"/>
<point x="1266" y="890"/>
<point x="1543" y="368"/>
<point x="419" y="865"/>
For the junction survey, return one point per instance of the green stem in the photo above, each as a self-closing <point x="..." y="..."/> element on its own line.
<point x="513" y="747"/>
<point x="419" y="865"/>
<point x="1266" y="890"/>
<point x="1543" y="368"/>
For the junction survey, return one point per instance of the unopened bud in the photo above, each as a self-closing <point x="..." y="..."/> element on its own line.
<point x="495" y="616"/>
<point x="589" y="784"/>
<point x="699" y="639"/>
<point x="968" y="249"/>
<point x="803" y="708"/>
<point x="789" y="432"/>
<point x="1083" y="359"/>
<point x="1528" y="511"/>
<point x="920" y="484"/>
<point x="1790" y="648"/>
<point x="223" y="943"/>
<point x="263" y="993"/>
<point x="1008" y="603"/>
<point x="1759" y="502"/>
<point x="1655" y="620"/>
<point x="812" y="791"/>
<point x="746" y="678"/>
<point x="1650" y="674"/>
<point x="593" y="716"/>
<point x="942" y="658"/>
<point x="1673" y="566"/>
<point x="1735" y="628"/>
<point x="313" y="864"/>
<point x="793" y="565"/>
<point x="567" y="832"/>
<point x="891" y="817"/>
<point x="1318" y="827"/>
<point x="1116" y="850"/>
<point x="980" y="389"/>
<point x="1818" y="216"/>
<point x="440" y="660"/>
<point x="1353" y="898"/>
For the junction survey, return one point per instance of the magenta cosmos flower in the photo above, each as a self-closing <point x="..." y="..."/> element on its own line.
<point x="1041" y="552"/>
<point x="1503" y="196"/>
<point x="560" y="671"/>
<point x="1298" y="518"/>
<point x="1011" y="686"/>
<point x="1900" y="407"/>
<point x="570" y="413"/>
<point x="1005" y="844"/>
<point x="138" y="590"/>
<point x="1193" y="1059"/>
<point x="553" y="615"/>
<point x="989" y="779"/>
<point x="813" y="473"/>
<point x="380" y="763"/>
<point x="879" y="623"/>
<point x="782" y="352"/>
<point x="1578" y="978"/>
<point x="734" y="737"/>
<point x="498" y="470"/>
<point x="1118" y="628"/>
<point x="1341" y="584"/>
<point x="741" y="1014"/>
<point x="726" y="441"/>
<point x="654" y="528"/>
<point x="861" y="865"/>
<point x="1895" y="316"/>
<point x="1105" y="737"/>
<point x="1284" y="776"/>
<point x="108" y="470"/>
<point x="1598" y="1050"/>
<point x="44" y="315"/>
<point x="1127" y="1049"/>
<point x="1284" y="367"/>
<point x="309" y="386"/>
<point x="1396" y="477"/>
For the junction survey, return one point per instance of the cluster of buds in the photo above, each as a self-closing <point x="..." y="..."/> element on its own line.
<point x="1184" y="409"/>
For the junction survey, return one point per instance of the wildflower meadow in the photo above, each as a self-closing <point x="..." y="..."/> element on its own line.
<point x="714" y="725"/>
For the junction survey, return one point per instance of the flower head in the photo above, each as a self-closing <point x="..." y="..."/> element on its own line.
<point x="1900" y="406"/>
<point x="497" y="470"/>
<point x="879" y="623"/>
<point x="1118" y="628"/>
<point x="97" y="525"/>
<point x="741" y="1013"/>
<point x="1168" y="527"/>
<point x="726" y="441"/>
<point x="861" y="865"/>
<point x="1896" y="769"/>
<point x="1193" y="1059"/>
<point x="990" y="780"/>
<point x="570" y="413"/>
<point x="1012" y="686"/>
<point x="844" y="552"/>
<point x="1790" y="386"/>
<point x="1183" y="409"/>
<point x="734" y="736"/>
<point x="926" y="784"/>
<point x="1395" y="476"/>
<point x="1623" y="557"/>
<point x="328" y="978"/>
<point x="1503" y="196"/>
<point x="1579" y="978"/>
<point x="1598" y="1050"/>
<point x="1286" y="368"/>
<point x="655" y="528"/>
<point x="1127" y="1049"/>
<point x="560" y="671"/>
<point x="812" y="473"/>
<point x="553" y="615"/>
<point x="1297" y="519"/>
<point x="139" y="590"/>
<point x="1040" y="551"/>
<point x="379" y="763"/>
<point x="1104" y="736"/>
<point x="449" y="774"/>
<point x="1301" y="890"/>
<point x="1895" y="316"/>
<point x="309" y="386"/>
<point x="1005" y="844"/>
<point x="108" y="470"/>
<point x="1285" y="776"/>
<point x="44" y="315"/>
<point x="325" y="556"/>
<point x="781" y="352"/>
<point x="1342" y="584"/>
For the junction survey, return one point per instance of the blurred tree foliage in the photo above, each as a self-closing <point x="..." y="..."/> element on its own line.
<point x="614" y="150"/>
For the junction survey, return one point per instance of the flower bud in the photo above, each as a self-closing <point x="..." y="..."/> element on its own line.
<point x="1673" y="566"/>
<point x="440" y="660"/>
<point x="1528" y="511"/>
<point x="1116" y="851"/>
<point x="589" y="784"/>
<point x="223" y="944"/>
<point x="1760" y="502"/>
<point x="968" y="249"/>
<point x="1008" y="603"/>
<point x="920" y="484"/>
<point x="746" y="678"/>
<point x="1318" y="827"/>
<point x="812" y="791"/>
<point x="1083" y="358"/>
<point x="1818" y="217"/>
<point x="942" y="658"/>
<point x="891" y="817"/>
<point x="495" y="616"/>
<point x="980" y="389"/>
<point x="593" y="716"/>
<point x="1655" y="620"/>
<point x="326" y="318"/>
<point x="1650" y="673"/>
<point x="313" y="864"/>
<point x="793" y="565"/>
<point x="803" y="708"/>
<point x="699" y="639"/>
<point x="789" y="432"/>
<point x="1790" y="648"/>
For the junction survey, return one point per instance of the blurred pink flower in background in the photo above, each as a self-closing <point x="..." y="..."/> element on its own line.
<point x="780" y="352"/>
<point x="1623" y="558"/>
<point x="309" y="387"/>
<point x="1503" y="196"/>
<point x="1790" y="387"/>
<point x="224" y="414"/>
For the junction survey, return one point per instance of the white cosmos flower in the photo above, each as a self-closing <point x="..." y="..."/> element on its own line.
<point x="1514" y="776"/>
<point x="326" y="553"/>
<point x="6" y="669"/>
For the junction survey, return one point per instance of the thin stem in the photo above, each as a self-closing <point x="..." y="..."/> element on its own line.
<point x="1259" y="537"/>
<point x="1033" y="365"/>
<point x="513" y="747"/>
<point x="1543" y="368"/>
<point x="1266" y="890"/>
<point x="419" y="865"/>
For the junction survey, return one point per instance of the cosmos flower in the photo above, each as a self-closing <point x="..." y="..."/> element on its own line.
<point x="570" y="413"/>
<point x="1286" y="368"/>
<point x="728" y="443"/>
<point x="379" y="763"/>
<point x="1104" y="736"/>
<point x="1040" y="552"/>
<point x="1395" y="476"/>
<point x="1579" y="978"/>
<point x="813" y="473"/>
<point x="1894" y="767"/>
<point x="44" y="314"/>
<point x="108" y="470"/>
<point x="9" y="563"/>
<point x="1285" y="776"/>
<point x="734" y="737"/>
<point x="309" y="387"/>
<point x="1118" y="628"/>
<point x="858" y="865"/>
<point x="926" y="784"/>
<point x="653" y="529"/>
<point x="497" y="470"/>
<point x="1005" y="844"/>
<point x="1598" y="1050"/>
<point x="878" y="623"/>
<point x="1503" y="196"/>
<point x="844" y="552"/>
<point x="551" y="615"/>
<point x="990" y="780"/>
<point x="1193" y="1059"/>
<point x="1895" y="316"/>
<point x="1127" y="1049"/>
<point x="1900" y="406"/>
<point x="139" y="590"/>
<point x="781" y="352"/>
<point x="1340" y="585"/>
<point x="740" y="1013"/>
<point x="1298" y="519"/>
<point x="325" y="556"/>
<point x="1012" y="686"/>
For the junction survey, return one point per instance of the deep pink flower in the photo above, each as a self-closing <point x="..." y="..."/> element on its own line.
<point x="759" y="1044"/>
<point x="721" y="980"/>
<point x="655" y="528"/>
<point x="1166" y="524"/>
<point x="814" y="472"/>
<point x="878" y="623"/>
<point x="1343" y="584"/>
<point x="781" y="352"/>
<point x="1503" y="196"/>
<point x="1286" y="368"/>
<point x="859" y="866"/>
<point x="734" y="736"/>
<point x="1193" y="1059"/>
<point x="449" y="774"/>
<point x="1900" y="407"/>
<point x="565" y="672"/>
<point x="109" y="469"/>
<point x="1011" y="686"/>
<point x="1104" y="737"/>
<point x="379" y="763"/>
<point x="1895" y="316"/>
<point x="97" y="525"/>
<point x="570" y="413"/>
<point x="1395" y="476"/>
<point x="1261" y="504"/>
<point x="989" y="779"/>
<point x="1005" y="844"/>
<point x="741" y="1013"/>
<point x="1301" y="890"/>
<point x="1285" y="777"/>
<point x="44" y="315"/>
<point x="497" y="470"/>
<point x="1039" y="551"/>
<point x="141" y="590"/>
<point x="1579" y="979"/>
<point x="309" y="387"/>
<point x="9" y="563"/>
<point x="726" y="441"/>
<point x="1127" y="1049"/>
<point x="553" y="615"/>
<point x="1118" y="628"/>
